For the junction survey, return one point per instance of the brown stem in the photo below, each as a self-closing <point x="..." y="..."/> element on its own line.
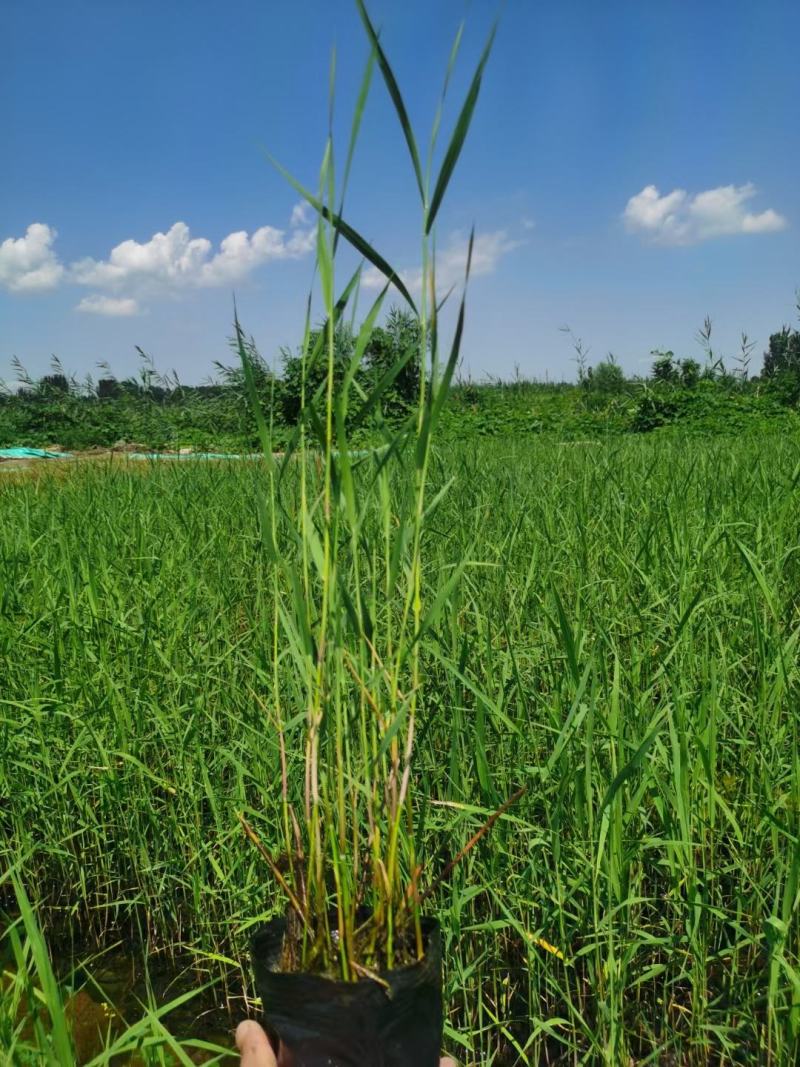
<point x="473" y="841"/>
<point x="250" y="832"/>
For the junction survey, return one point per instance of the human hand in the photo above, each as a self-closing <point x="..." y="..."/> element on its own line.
<point x="254" y="1046"/>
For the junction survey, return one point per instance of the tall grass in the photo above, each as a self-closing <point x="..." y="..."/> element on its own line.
<point x="349" y="616"/>
<point x="623" y="638"/>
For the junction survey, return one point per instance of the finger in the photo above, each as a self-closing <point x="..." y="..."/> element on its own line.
<point x="447" y="1062"/>
<point x="254" y="1045"/>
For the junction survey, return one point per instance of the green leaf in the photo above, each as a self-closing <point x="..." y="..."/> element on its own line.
<point x="758" y="574"/>
<point x="397" y="99"/>
<point x="448" y="74"/>
<point x="385" y="382"/>
<point x="632" y="765"/>
<point x="252" y="392"/>
<point x="354" y="131"/>
<point x="459" y="136"/>
<point x="349" y="234"/>
<point x="443" y="386"/>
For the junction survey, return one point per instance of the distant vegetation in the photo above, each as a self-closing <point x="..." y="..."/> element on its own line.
<point x="717" y="395"/>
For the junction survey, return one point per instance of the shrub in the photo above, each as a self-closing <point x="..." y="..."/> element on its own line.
<point x="396" y="345"/>
<point x="607" y="377"/>
<point x="308" y="374"/>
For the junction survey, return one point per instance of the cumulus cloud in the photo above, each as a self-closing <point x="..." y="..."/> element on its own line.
<point x="167" y="262"/>
<point x="678" y="218"/>
<point x="451" y="261"/>
<point x="29" y="264"/>
<point x="116" y="306"/>
<point x="301" y="214"/>
<point x="176" y="260"/>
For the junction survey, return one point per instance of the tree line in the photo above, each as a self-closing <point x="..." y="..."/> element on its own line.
<point x="159" y="410"/>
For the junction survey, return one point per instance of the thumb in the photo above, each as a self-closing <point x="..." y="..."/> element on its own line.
<point x="254" y="1045"/>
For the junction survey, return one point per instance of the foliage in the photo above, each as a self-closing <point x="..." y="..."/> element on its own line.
<point x="219" y="417"/>
<point x="671" y="371"/>
<point x="305" y="374"/>
<point x="606" y="378"/>
<point x="391" y="349"/>
<point x="153" y="410"/>
<point x="690" y="373"/>
<point x="710" y="408"/>
<point x="782" y="365"/>
<point x="655" y="408"/>
<point x="162" y="413"/>
<point x="624" y="639"/>
<point x="357" y="656"/>
<point x="351" y="621"/>
<point x="783" y="354"/>
<point x="396" y="344"/>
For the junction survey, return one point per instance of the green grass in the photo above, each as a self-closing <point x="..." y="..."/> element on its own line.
<point x="623" y="640"/>
<point x="219" y="419"/>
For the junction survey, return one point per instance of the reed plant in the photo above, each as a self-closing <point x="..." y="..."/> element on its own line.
<point x="347" y="564"/>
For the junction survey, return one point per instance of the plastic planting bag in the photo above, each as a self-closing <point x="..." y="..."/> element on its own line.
<point x="326" y="1023"/>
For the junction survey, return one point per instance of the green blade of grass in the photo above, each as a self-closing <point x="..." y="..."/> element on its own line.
<point x="397" y="98"/>
<point x="352" y="236"/>
<point x="459" y="136"/>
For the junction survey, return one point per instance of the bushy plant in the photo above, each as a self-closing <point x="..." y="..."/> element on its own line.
<point x="305" y="373"/>
<point x="394" y="351"/>
<point x="690" y="373"/>
<point x="781" y="370"/>
<point x="607" y="378"/>
<point x="665" y="368"/>
<point x="655" y="408"/>
<point x="783" y="354"/>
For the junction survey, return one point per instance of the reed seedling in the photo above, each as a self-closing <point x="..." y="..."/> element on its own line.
<point x="349" y="611"/>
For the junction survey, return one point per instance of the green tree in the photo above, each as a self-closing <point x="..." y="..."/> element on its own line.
<point x="393" y="349"/>
<point x="690" y="373"/>
<point x="396" y="345"/>
<point x="783" y="354"/>
<point x="665" y="367"/>
<point x="782" y="366"/>
<point x="607" y="377"/>
<point x="311" y="367"/>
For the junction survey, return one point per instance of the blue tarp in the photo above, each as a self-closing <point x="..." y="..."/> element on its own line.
<point x="188" y="455"/>
<point x="42" y="453"/>
<point x="225" y="455"/>
<point x="32" y="453"/>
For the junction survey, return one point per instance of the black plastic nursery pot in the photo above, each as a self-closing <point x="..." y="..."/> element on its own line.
<point x="325" y="1023"/>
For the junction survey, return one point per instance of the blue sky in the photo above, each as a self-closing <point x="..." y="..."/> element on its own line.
<point x="631" y="168"/>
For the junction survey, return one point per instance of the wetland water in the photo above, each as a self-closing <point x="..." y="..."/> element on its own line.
<point x="109" y="991"/>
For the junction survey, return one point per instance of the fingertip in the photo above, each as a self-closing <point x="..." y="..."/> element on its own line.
<point x="250" y="1037"/>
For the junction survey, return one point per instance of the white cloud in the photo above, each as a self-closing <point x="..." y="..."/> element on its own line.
<point x="451" y="262"/>
<point x="680" y="219"/>
<point x="171" y="257"/>
<point x="117" y="306"/>
<point x="301" y="214"/>
<point x="240" y="254"/>
<point x="168" y="262"/>
<point x="29" y="264"/>
<point x="176" y="260"/>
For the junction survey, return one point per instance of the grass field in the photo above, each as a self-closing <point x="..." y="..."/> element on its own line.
<point x="623" y="641"/>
